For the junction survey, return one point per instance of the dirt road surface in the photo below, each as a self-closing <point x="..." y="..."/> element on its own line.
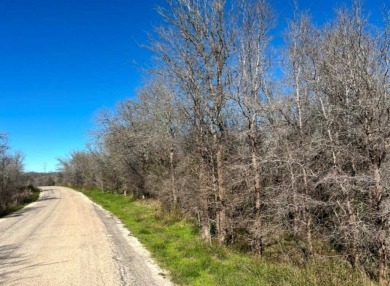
<point x="65" y="239"/>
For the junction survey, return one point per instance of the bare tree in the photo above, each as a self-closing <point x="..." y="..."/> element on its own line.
<point x="253" y="23"/>
<point x="300" y="57"/>
<point x="353" y="78"/>
<point x="194" y="46"/>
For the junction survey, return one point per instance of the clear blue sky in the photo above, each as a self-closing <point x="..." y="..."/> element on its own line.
<point x="63" y="60"/>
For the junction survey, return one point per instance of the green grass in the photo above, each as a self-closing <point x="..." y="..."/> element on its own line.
<point x="32" y="196"/>
<point x="177" y="247"/>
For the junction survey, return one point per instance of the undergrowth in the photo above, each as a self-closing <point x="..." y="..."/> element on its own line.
<point x="21" y="199"/>
<point x="177" y="247"/>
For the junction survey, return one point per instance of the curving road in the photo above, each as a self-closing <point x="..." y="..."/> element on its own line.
<point x="65" y="239"/>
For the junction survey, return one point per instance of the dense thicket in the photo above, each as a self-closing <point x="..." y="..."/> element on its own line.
<point x="260" y="147"/>
<point x="42" y="179"/>
<point x="12" y="181"/>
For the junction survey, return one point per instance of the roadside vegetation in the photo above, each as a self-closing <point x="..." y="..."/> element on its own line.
<point x="178" y="247"/>
<point x="21" y="198"/>
<point x="15" y="193"/>
<point x="281" y="150"/>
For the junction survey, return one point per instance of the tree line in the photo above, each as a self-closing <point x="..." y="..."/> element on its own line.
<point x="13" y="190"/>
<point x="260" y="143"/>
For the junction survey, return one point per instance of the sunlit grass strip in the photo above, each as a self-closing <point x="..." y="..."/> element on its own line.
<point x="177" y="247"/>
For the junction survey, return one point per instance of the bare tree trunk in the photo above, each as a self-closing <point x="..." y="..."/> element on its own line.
<point x="258" y="244"/>
<point x="296" y="219"/>
<point x="204" y="216"/>
<point x="204" y="196"/>
<point x="255" y="166"/>
<point x="308" y="217"/>
<point x="172" y="171"/>
<point x="381" y="236"/>
<point x="383" y="262"/>
<point x="330" y="136"/>
<point x="221" y="210"/>
<point x="352" y="224"/>
<point x="307" y="214"/>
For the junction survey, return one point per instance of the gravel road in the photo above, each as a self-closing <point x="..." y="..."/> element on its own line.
<point x="65" y="239"/>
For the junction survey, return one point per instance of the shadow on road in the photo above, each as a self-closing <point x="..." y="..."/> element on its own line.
<point x="22" y="212"/>
<point x="13" y="264"/>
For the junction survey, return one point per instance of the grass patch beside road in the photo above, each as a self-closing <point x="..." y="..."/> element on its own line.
<point x="177" y="247"/>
